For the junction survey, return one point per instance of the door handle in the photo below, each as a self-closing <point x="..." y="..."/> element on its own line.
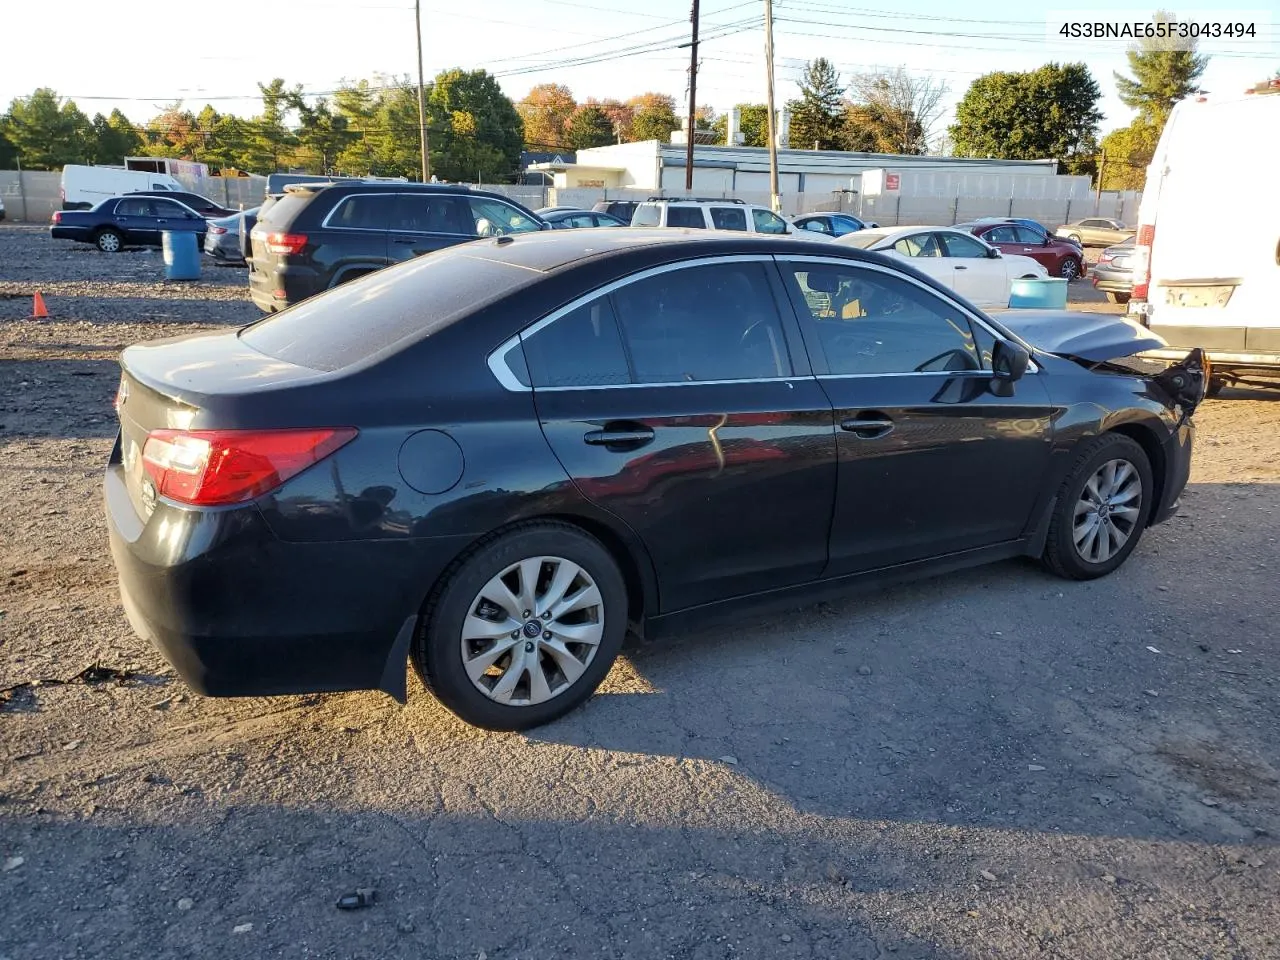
<point x="620" y="436"/>
<point x="868" y="427"/>
<point x="958" y="267"/>
<point x="407" y="241"/>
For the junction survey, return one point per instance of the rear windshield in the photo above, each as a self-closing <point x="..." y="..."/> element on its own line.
<point x="862" y="239"/>
<point x="282" y="212"/>
<point x="356" y="321"/>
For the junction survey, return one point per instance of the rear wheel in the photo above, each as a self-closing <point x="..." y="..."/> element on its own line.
<point x="1074" y="238"/>
<point x="523" y="628"/>
<point x="1070" y="268"/>
<point x="109" y="241"/>
<point x="1118" y="297"/>
<point x="1102" y="509"/>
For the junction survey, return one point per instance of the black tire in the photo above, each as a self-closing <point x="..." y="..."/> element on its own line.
<point x="108" y="240"/>
<point x="1118" y="297"/>
<point x="437" y="647"/>
<point x="1075" y="238"/>
<point x="1070" y="269"/>
<point x="1060" y="553"/>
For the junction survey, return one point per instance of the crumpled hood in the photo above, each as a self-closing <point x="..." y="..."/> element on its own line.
<point x="1090" y="336"/>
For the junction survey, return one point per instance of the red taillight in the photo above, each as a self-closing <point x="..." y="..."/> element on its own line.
<point x="217" y="231"/>
<point x="214" y="467"/>
<point x="57" y="216"/>
<point x="286" y="243"/>
<point x="1142" y="260"/>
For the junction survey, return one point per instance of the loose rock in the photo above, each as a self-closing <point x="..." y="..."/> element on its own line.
<point x="185" y="904"/>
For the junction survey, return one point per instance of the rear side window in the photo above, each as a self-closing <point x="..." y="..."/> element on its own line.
<point x="580" y="349"/>
<point x="728" y="218"/>
<point x="283" y="211"/>
<point x="918" y="245"/>
<point x="711" y="322"/>
<point x="361" y="212"/>
<point x="686" y="217"/>
<point x="432" y="213"/>
<point x="133" y="208"/>
<point x="1027" y="235"/>
<point x="646" y="215"/>
<point x="355" y="321"/>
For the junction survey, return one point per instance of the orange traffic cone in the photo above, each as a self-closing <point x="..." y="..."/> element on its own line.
<point x="38" y="310"/>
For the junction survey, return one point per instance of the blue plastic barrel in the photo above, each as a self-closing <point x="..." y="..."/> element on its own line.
<point x="1050" y="294"/>
<point x="181" y="255"/>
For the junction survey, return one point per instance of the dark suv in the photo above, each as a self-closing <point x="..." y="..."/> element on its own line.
<point x="318" y="235"/>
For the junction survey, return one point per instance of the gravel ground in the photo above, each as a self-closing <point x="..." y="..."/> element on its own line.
<point x="994" y="764"/>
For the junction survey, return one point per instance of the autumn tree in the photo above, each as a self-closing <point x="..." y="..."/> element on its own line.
<point x="546" y="112"/>
<point x="620" y="116"/>
<point x="897" y="110"/>
<point x="653" y="117"/>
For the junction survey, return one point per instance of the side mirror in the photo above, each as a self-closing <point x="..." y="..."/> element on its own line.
<point x="1009" y="363"/>
<point x="993" y="254"/>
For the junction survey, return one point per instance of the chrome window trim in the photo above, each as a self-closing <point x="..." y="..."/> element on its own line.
<point x="1032" y="366"/>
<point x="497" y="362"/>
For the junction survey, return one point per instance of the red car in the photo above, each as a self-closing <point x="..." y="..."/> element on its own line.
<point x="1060" y="257"/>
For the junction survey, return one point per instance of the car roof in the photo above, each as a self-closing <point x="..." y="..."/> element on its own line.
<point x="871" y="233"/>
<point x="551" y="250"/>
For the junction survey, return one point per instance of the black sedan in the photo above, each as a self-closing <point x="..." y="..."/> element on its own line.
<point x="118" y="222"/>
<point x="197" y="202"/>
<point x="495" y="459"/>
<point x="566" y="219"/>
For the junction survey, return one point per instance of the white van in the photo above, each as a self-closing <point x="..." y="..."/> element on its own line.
<point x="84" y="187"/>
<point x="1207" y="258"/>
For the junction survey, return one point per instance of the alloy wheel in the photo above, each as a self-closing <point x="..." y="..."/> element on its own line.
<point x="532" y="631"/>
<point x="1070" y="269"/>
<point x="1106" y="515"/>
<point x="109" y="243"/>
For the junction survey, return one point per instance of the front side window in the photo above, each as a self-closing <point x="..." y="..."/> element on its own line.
<point x="707" y="322"/>
<point x="958" y="245"/>
<point x="367" y="212"/>
<point x="768" y="222"/>
<point x="168" y="209"/>
<point x="580" y="349"/>
<point x="918" y="245"/>
<point x="845" y="225"/>
<point x="1000" y="235"/>
<point x="685" y="217"/>
<point x="729" y="218"/>
<point x="493" y="218"/>
<point x="1028" y="236"/>
<point x="817" y="226"/>
<point x="869" y="322"/>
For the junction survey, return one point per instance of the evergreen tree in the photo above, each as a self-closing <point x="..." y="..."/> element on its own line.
<point x="816" y="116"/>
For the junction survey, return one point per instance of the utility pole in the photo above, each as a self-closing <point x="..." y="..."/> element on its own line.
<point x="693" y="99"/>
<point x="422" y="96"/>
<point x="1097" y="196"/>
<point x="775" y="201"/>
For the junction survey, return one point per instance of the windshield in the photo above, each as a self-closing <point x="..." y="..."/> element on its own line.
<point x="862" y="239"/>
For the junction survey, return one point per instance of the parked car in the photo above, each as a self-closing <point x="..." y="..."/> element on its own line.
<point x="222" y="242"/>
<point x="1095" y="232"/>
<point x="1" y="208"/>
<point x="317" y="236"/>
<point x="715" y="215"/>
<point x="567" y="217"/>
<point x="127" y="221"/>
<point x="1060" y="257"/>
<point x="395" y="468"/>
<point x="832" y="224"/>
<point x="955" y="258"/>
<point x="622" y="209"/>
<point x="1215" y="153"/>
<point x="1035" y="225"/>
<point x="84" y="187"/>
<point x="1113" y="273"/>
<point x="201" y="205"/>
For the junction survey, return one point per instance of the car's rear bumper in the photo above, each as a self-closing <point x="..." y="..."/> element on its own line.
<point x="275" y="288"/>
<point x="239" y="612"/>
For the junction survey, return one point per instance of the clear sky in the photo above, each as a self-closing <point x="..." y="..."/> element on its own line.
<point x="121" y="53"/>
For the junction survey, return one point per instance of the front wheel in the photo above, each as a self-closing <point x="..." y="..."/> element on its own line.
<point x="1102" y="509"/>
<point x="1074" y="238"/>
<point x="523" y="628"/>
<point x="109" y="241"/>
<point x="1070" y="269"/>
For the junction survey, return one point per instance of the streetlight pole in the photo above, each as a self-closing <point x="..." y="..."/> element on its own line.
<point x="693" y="100"/>
<point x="422" y="95"/>
<point x="775" y="201"/>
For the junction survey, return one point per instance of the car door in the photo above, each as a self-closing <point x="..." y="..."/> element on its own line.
<point x="728" y="218"/>
<point x="766" y="221"/>
<point x="817" y="225"/>
<point x="175" y="217"/>
<point x="134" y="218"/>
<point x="681" y="402"/>
<point x="495" y="218"/>
<point x="979" y="277"/>
<point x="931" y="462"/>
<point x="922" y="251"/>
<point x="419" y="223"/>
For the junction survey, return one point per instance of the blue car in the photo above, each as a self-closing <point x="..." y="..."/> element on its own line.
<point x="118" y="222"/>
<point x="832" y="224"/>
